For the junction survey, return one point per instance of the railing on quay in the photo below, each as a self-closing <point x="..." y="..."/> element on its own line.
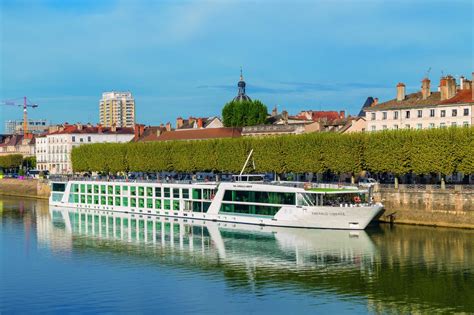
<point x="425" y="187"/>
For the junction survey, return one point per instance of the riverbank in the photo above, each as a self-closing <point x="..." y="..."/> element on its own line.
<point x="30" y="188"/>
<point x="427" y="205"/>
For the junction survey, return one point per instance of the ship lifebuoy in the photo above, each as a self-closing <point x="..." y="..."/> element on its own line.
<point x="356" y="199"/>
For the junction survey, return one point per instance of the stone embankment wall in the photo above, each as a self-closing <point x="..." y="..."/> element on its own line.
<point x="427" y="204"/>
<point x="33" y="188"/>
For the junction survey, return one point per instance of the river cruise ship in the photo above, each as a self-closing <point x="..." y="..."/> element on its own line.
<point x="250" y="202"/>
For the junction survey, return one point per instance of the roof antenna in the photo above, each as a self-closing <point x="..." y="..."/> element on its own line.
<point x="428" y="73"/>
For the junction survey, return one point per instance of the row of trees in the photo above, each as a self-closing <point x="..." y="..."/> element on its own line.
<point x="11" y="161"/>
<point x="441" y="151"/>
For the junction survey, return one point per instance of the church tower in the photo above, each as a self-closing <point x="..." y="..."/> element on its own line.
<point x="241" y="96"/>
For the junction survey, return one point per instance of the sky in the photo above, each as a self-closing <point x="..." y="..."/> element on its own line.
<point x="183" y="58"/>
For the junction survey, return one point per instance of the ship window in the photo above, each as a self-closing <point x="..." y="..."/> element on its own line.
<point x="96" y="189"/>
<point x="83" y="199"/>
<point x="125" y="188"/>
<point x="167" y="192"/>
<point x="117" y="201"/>
<point x="141" y="202"/>
<point x="102" y="189"/>
<point x="205" y="206"/>
<point x="89" y="189"/>
<point x="110" y="201"/>
<point x="133" y="202"/>
<point x="176" y="193"/>
<point x="149" y="191"/>
<point x="260" y="197"/>
<point x="185" y="193"/>
<point x="166" y="203"/>
<point x="117" y="190"/>
<point x="157" y="204"/>
<point x="158" y="192"/>
<point x="125" y="201"/>
<point x="59" y="187"/>
<point x="337" y="199"/>
<point x="249" y="209"/>
<point x="75" y="187"/>
<point x="75" y="198"/>
<point x="102" y="200"/>
<point x="96" y="200"/>
<point x="133" y="191"/>
<point x="141" y="191"/>
<point x="110" y="189"/>
<point x="149" y="203"/>
<point x="89" y="199"/>
<point x="197" y="194"/>
<point x="196" y="206"/>
<point x="83" y="188"/>
<point x="175" y="204"/>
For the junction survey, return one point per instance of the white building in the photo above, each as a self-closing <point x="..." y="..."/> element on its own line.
<point x="452" y="105"/>
<point x="117" y="108"/>
<point x="53" y="150"/>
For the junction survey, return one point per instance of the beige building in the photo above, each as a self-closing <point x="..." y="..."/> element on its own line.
<point x="117" y="108"/>
<point x="451" y="105"/>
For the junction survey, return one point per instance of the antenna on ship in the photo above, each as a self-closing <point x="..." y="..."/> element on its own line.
<point x="246" y="162"/>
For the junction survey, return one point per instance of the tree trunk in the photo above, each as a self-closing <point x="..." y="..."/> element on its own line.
<point x="396" y="182"/>
<point x="443" y="182"/>
<point x="353" y="179"/>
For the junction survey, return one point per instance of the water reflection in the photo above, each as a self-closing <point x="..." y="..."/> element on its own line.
<point x="400" y="269"/>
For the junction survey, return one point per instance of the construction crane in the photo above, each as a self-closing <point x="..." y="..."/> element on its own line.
<point x="26" y="103"/>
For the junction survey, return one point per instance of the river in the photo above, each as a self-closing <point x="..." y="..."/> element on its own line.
<point x="63" y="260"/>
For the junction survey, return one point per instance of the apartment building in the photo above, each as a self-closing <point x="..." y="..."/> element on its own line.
<point x="117" y="108"/>
<point x="53" y="150"/>
<point x="451" y="105"/>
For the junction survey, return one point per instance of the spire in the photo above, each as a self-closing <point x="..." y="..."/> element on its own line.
<point x="241" y="85"/>
<point x="241" y="75"/>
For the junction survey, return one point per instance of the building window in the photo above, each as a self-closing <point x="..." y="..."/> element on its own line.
<point x="432" y="112"/>
<point x="466" y="111"/>
<point x="407" y="114"/>
<point x="419" y="126"/>
<point x="453" y="124"/>
<point x="373" y="128"/>
<point x="384" y="115"/>
<point x="372" y="116"/>
<point x="454" y="112"/>
<point x="431" y="126"/>
<point x="81" y="140"/>
<point x="420" y="113"/>
<point x="395" y="127"/>
<point x="442" y="125"/>
<point x="395" y="115"/>
<point x="384" y="127"/>
<point x="443" y="113"/>
<point x="89" y="139"/>
<point x="73" y="139"/>
<point x="407" y="126"/>
<point x="466" y="124"/>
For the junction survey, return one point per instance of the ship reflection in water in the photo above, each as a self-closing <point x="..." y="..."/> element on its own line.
<point x="177" y="265"/>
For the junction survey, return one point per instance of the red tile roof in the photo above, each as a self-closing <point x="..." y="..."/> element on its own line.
<point x="69" y="129"/>
<point x="461" y="97"/>
<point x="200" y="134"/>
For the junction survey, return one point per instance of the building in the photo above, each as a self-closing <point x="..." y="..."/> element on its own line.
<point x="198" y="123"/>
<point x="53" y="150"/>
<point x="117" y="108"/>
<point x="241" y="96"/>
<point x="35" y="126"/>
<point x="451" y="105"/>
<point x="17" y="144"/>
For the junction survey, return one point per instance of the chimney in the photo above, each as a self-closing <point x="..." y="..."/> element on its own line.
<point x="342" y="114"/>
<point x="168" y="126"/>
<point x="99" y="128"/>
<point x="461" y="83"/>
<point x="179" y="123"/>
<point x="375" y="102"/>
<point x="284" y="115"/>
<point x="113" y="128"/>
<point x="79" y="126"/>
<point x="451" y="86"/>
<point x="425" y="88"/>
<point x="400" y="92"/>
<point x="199" y="123"/>
<point x="191" y="120"/>
<point x="138" y="131"/>
<point x="443" y="88"/>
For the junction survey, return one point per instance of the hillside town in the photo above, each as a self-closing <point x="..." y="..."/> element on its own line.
<point x="450" y="104"/>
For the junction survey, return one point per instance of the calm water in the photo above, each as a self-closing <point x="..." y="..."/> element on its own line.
<point x="57" y="260"/>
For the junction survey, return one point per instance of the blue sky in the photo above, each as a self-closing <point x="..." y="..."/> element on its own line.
<point x="182" y="58"/>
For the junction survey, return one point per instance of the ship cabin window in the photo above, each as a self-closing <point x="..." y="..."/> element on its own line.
<point x="117" y="201"/>
<point x="141" y="191"/>
<point x="96" y="189"/>
<point x="176" y="193"/>
<point x="167" y="204"/>
<point x="83" y="198"/>
<point x="125" y="188"/>
<point x="133" y="191"/>
<point x="175" y="204"/>
<point x="59" y="187"/>
<point x="110" y="189"/>
<point x="208" y="194"/>
<point x="149" y="203"/>
<point x="110" y="201"/>
<point x="167" y="192"/>
<point x="197" y="194"/>
<point x="158" y="192"/>
<point x="125" y="201"/>
<point x="149" y="191"/>
<point x="133" y="202"/>
<point x="117" y="190"/>
<point x="83" y="188"/>
<point x="96" y="200"/>
<point x="89" y="189"/>
<point x="157" y="203"/>
<point x="102" y="200"/>
<point x="102" y="189"/>
<point x="249" y="209"/>
<point x="260" y="197"/>
<point x="75" y="188"/>
<point x="89" y="199"/>
<point x="141" y="203"/>
<point x="185" y="193"/>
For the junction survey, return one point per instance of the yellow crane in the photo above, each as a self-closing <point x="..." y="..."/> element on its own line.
<point x="25" y="104"/>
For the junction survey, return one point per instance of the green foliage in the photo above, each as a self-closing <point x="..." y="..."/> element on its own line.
<point x="442" y="151"/>
<point x="29" y="162"/>
<point x="244" y="113"/>
<point x="11" y="161"/>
